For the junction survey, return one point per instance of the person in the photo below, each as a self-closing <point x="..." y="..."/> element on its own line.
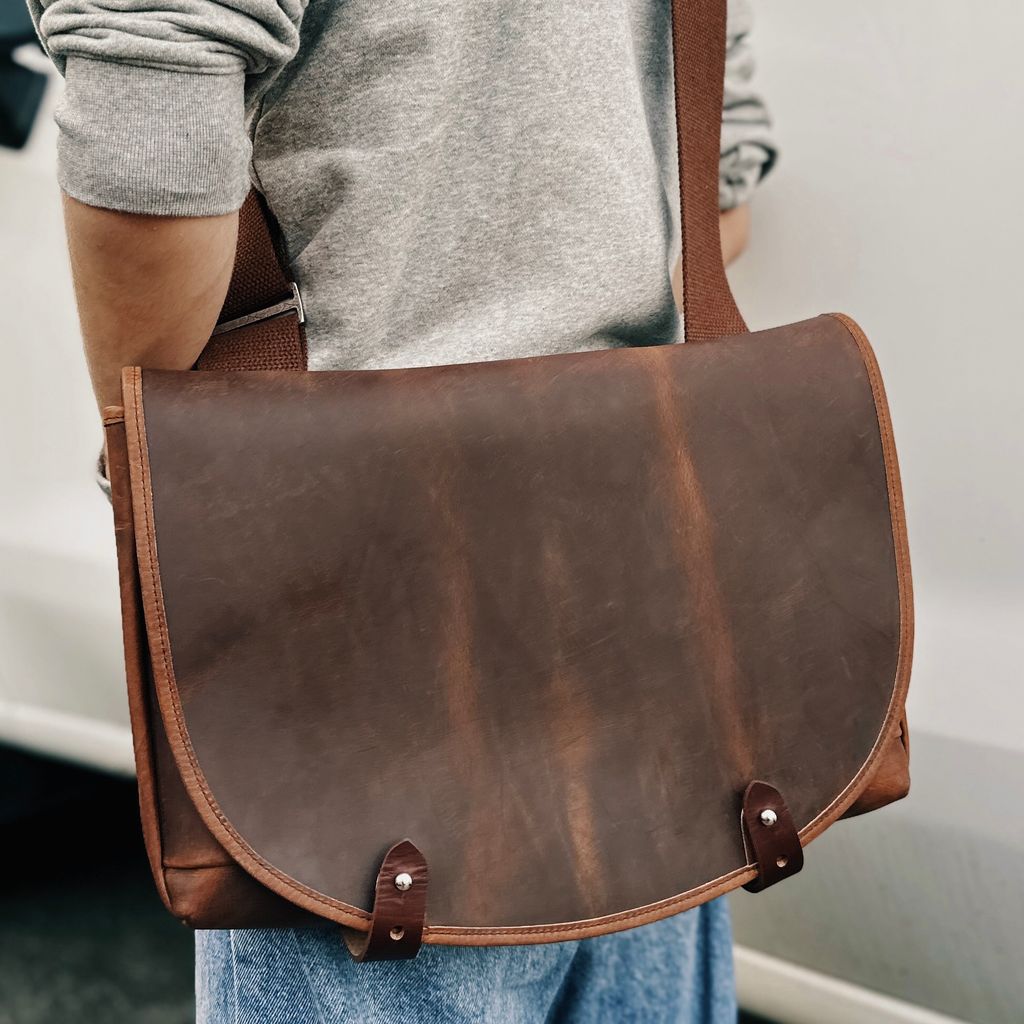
<point x="453" y="181"/>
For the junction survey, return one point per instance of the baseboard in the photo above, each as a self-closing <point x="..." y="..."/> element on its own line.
<point x="790" y="994"/>
<point x="86" y="741"/>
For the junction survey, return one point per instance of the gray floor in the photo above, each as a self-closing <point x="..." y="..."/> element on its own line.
<point x="83" y="937"/>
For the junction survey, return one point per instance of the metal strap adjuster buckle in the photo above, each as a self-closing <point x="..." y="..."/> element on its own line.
<point x="292" y="305"/>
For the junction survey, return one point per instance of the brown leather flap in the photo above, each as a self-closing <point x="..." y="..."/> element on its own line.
<point x="546" y="618"/>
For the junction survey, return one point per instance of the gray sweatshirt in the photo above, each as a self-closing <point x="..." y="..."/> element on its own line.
<point x="454" y="179"/>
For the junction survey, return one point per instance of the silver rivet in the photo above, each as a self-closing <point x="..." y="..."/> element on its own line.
<point x="781" y="862"/>
<point x="769" y="818"/>
<point x="403" y="882"/>
<point x="397" y="933"/>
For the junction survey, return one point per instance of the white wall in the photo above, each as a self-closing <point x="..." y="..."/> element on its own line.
<point x="61" y="670"/>
<point x="897" y="197"/>
<point x="896" y="200"/>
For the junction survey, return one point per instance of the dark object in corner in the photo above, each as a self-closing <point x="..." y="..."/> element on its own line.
<point x="21" y="89"/>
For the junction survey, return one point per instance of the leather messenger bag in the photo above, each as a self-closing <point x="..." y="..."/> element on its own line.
<point x="516" y="651"/>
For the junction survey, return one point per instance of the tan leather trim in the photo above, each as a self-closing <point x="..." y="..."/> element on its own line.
<point x="136" y="654"/>
<point x="197" y="863"/>
<point x="901" y="546"/>
<point x="167" y="692"/>
<point x="325" y="906"/>
<point x="531" y="934"/>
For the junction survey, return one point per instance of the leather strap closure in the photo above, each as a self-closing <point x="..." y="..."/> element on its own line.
<point x="399" y="908"/>
<point x="770" y="837"/>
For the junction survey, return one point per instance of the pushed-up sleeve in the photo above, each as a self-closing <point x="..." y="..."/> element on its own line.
<point x="153" y="116"/>
<point x="748" y="144"/>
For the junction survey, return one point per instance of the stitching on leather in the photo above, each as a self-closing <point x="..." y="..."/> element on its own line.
<point x="169" y="865"/>
<point x="139" y="699"/>
<point x="901" y="550"/>
<point x="247" y="851"/>
<point x="200" y="781"/>
<point x="156" y="596"/>
<point x="662" y="908"/>
<point x="690" y="895"/>
<point x="654" y="910"/>
<point x="900" y="684"/>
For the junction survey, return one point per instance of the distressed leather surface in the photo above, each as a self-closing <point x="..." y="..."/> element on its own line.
<point x="546" y="618"/>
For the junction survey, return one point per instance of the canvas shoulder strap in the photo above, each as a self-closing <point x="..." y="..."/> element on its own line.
<point x="698" y="48"/>
<point x="261" y="325"/>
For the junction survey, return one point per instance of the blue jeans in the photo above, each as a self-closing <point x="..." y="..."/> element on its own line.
<point x="677" y="971"/>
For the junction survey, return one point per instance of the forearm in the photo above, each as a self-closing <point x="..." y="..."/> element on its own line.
<point x="153" y="122"/>
<point x="149" y="289"/>
<point x="734" y="228"/>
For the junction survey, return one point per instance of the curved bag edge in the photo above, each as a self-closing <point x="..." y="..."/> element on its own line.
<point x="354" y="917"/>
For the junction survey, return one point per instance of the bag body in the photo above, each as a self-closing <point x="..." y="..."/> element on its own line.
<point x="517" y="651"/>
